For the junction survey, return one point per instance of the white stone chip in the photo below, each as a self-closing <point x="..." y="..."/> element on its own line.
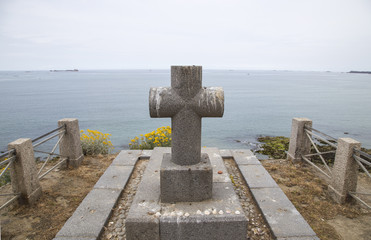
<point x="158" y="214"/>
<point x="199" y="212"/>
<point x="214" y="211"/>
<point x="180" y="213"/>
<point x="172" y="214"/>
<point x="186" y="214"/>
<point x="207" y="212"/>
<point x="221" y="212"/>
<point x="237" y="212"/>
<point x="228" y="211"/>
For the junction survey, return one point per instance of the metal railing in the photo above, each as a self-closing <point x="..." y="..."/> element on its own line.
<point x="8" y="161"/>
<point x="362" y="159"/>
<point x="60" y="131"/>
<point x="314" y="135"/>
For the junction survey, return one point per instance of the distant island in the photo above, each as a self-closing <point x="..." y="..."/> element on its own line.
<point x="73" y="70"/>
<point x="366" y="72"/>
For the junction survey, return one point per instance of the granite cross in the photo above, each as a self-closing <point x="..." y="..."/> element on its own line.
<point x="186" y="102"/>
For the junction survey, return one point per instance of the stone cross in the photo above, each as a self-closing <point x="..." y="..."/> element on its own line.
<point x="186" y="102"/>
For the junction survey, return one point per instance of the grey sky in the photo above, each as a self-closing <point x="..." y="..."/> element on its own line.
<point x="119" y="34"/>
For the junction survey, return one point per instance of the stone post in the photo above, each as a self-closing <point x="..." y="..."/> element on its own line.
<point x="299" y="142"/>
<point x="23" y="173"/>
<point x="345" y="170"/>
<point x="70" y="145"/>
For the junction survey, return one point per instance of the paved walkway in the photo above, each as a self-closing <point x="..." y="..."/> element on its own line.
<point x="89" y="219"/>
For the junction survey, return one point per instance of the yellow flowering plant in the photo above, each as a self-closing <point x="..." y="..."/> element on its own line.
<point x="5" y="178"/>
<point x="94" y="142"/>
<point x="161" y="137"/>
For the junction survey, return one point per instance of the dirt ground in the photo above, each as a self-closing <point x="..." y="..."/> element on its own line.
<point x="307" y="190"/>
<point x="63" y="191"/>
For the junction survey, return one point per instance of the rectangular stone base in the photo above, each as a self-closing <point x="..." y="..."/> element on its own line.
<point x="219" y="218"/>
<point x="188" y="183"/>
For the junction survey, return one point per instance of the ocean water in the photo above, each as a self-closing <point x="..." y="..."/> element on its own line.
<point x="256" y="103"/>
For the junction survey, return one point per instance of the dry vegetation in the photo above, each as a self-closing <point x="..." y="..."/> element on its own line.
<point x="308" y="192"/>
<point x="62" y="193"/>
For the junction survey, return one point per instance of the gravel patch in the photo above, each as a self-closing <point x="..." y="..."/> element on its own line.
<point x="257" y="227"/>
<point x="115" y="229"/>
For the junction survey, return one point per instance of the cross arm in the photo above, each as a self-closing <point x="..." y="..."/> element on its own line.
<point x="164" y="102"/>
<point x="209" y="102"/>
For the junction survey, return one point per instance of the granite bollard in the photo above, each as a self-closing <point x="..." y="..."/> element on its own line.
<point x="23" y="174"/>
<point x="299" y="143"/>
<point x="345" y="171"/>
<point x="70" y="144"/>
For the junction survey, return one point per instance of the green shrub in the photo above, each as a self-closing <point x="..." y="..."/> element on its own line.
<point x="274" y="147"/>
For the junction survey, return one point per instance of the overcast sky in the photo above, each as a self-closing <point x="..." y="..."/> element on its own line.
<point x="319" y="35"/>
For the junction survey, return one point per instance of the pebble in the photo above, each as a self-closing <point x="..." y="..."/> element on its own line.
<point x="199" y="212"/>
<point x="221" y="212"/>
<point x="207" y="212"/>
<point x="186" y="214"/>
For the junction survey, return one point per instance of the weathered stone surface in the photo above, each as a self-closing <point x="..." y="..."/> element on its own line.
<point x="127" y="157"/>
<point x="281" y="215"/>
<point x="186" y="102"/>
<point x="74" y="238"/>
<point x="299" y="142"/>
<point x="221" y="217"/>
<point x="345" y="170"/>
<point x="141" y="223"/>
<point x="245" y="157"/>
<point x="146" y="153"/>
<point x="70" y="145"/>
<point x="220" y="173"/>
<point x="257" y="177"/>
<point x="115" y="177"/>
<point x="186" y="183"/>
<point x="24" y="178"/>
<point x="225" y="153"/>
<point x="300" y="238"/>
<point x="90" y="217"/>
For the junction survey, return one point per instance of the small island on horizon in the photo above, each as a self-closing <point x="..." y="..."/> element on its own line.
<point x="68" y="70"/>
<point x="365" y="72"/>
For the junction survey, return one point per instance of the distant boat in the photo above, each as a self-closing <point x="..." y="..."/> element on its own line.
<point x="68" y="70"/>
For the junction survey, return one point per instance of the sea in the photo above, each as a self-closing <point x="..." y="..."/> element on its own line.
<point x="257" y="103"/>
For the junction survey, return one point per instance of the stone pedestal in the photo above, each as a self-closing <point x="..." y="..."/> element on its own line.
<point x="219" y="218"/>
<point x="345" y="170"/>
<point x="23" y="173"/>
<point x="299" y="142"/>
<point x="70" y="145"/>
<point x="186" y="183"/>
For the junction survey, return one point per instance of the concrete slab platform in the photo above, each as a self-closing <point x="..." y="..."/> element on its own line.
<point x="299" y="238"/>
<point x="90" y="217"/>
<point x="73" y="238"/>
<point x="127" y="158"/>
<point x="115" y="177"/>
<point x="218" y="218"/>
<point x="225" y="153"/>
<point x="283" y="218"/>
<point x="257" y="177"/>
<point x="220" y="173"/>
<point x="245" y="157"/>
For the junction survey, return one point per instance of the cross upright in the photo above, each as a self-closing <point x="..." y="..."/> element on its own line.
<point x="186" y="102"/>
